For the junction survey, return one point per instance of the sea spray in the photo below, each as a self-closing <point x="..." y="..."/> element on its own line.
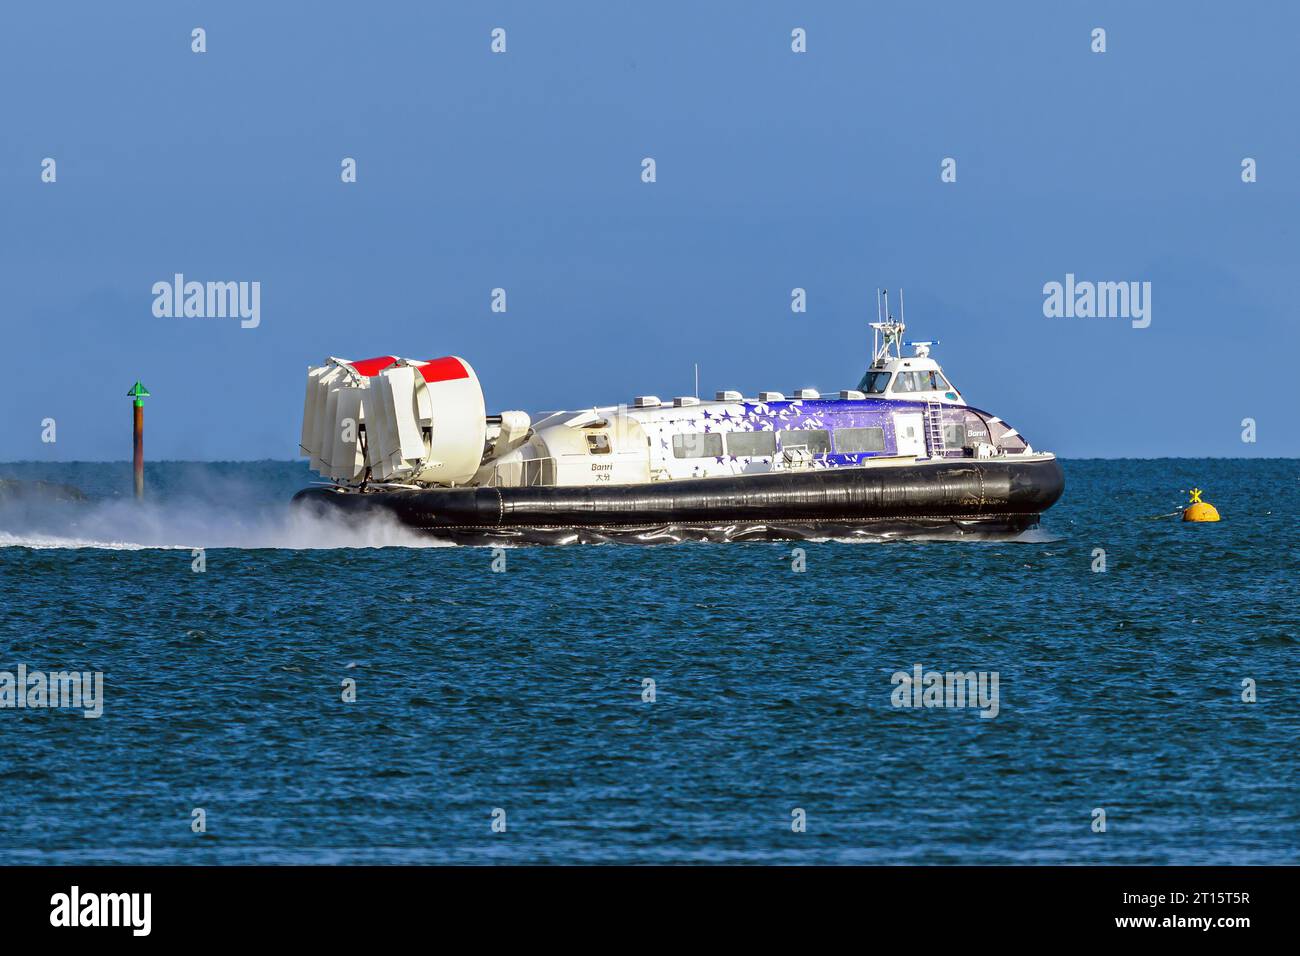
<point x="208" y="510"/>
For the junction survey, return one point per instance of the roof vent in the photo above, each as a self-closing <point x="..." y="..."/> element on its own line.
<point x="681" y="401"/>
<point x="851" y="393"/>
<point x="807" y="393"/>
<point x="771" y="397"/>
<point x="646" y="401"/>
<point x="728" y="396"/>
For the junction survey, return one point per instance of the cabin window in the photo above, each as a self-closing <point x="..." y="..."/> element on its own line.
<point x="920" y="382"/>
<point x="874" y="383"/>
<point x="816" y="440"/>
<point x="598" y="444"/>
<point x="751" y="444"/>
<point x="954" y="434"/>
<point x="697" y="445"/>
<point x="852" y="441"/>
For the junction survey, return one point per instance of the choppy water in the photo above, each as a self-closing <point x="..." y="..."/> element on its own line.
<point x="522" y="690"/>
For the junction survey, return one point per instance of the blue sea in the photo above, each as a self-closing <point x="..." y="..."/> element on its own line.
<point x="519" y="696"/>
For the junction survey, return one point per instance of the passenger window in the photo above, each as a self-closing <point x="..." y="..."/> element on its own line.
<point x="954" y="435"/>
<point x="598" y="444"/>
<point x="751" y="444"/>
<point x="697" y="445"/>
<point x="850" y="441"/>
<point x="816" y="440"/>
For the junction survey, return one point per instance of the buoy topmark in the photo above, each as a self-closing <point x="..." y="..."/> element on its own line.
<point x="1198" y="510"/>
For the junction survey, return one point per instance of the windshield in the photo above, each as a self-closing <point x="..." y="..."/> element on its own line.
<point x="873" y="383"/>
<point x="920" y="382"/>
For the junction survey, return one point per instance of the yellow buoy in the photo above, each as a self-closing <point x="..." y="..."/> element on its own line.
<point x="1198" y="510"/>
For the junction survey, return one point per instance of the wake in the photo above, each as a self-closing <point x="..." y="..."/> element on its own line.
<point x="223" y="517"/>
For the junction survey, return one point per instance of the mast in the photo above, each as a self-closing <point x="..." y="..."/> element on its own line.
<point x="888" y="330"/>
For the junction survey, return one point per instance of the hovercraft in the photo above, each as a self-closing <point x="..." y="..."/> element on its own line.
<point x="409" y="440"/>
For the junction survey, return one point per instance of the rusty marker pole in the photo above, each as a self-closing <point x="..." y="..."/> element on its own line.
<point x="139" y="393"/>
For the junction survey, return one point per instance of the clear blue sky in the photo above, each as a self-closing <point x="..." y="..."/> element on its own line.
<point x="522" y="171"/>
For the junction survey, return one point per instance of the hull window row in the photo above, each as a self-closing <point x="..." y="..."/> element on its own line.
<point x="697" y="445"/>
<point x="817" y="442"/>
<point x="751" y="444"/>
<point x="853" y="441"/>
